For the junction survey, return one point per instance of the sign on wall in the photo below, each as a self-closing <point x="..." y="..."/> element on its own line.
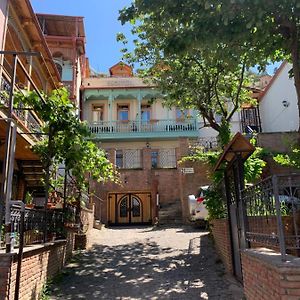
<point x="187" y="170"/>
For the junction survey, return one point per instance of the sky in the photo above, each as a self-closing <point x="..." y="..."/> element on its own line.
<point x="101" y="26"/>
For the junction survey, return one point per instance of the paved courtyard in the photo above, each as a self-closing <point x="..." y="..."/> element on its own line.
<point x="147" y="263"/>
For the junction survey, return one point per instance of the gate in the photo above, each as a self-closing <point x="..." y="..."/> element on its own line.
<point x="234" y="183"/>
<point x="233" y="158"/>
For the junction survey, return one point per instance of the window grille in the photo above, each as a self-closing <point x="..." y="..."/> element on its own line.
<point x="166" y="158"/>
<point x="128" y="159"/>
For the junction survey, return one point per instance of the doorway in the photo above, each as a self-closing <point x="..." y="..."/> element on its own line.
<point x="129" y="208"/>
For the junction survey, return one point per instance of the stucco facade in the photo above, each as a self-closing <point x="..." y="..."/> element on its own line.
<point x="143" y="139"/>
<point x="278" y="104"/>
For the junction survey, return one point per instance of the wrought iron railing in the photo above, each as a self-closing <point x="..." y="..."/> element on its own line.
<point x="28" y="118"/>
<point x="35" y="222"/>
<point x="272" y="209"/>
<point x="207" y="143"/>
<point x="106" y="127"/>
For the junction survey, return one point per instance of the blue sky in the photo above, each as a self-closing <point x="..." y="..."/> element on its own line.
<point x="101" y="26"/>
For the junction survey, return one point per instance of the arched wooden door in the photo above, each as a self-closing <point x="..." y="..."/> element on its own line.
<point x="131" y="208"/>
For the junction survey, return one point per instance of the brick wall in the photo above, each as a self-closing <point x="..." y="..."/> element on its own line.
<point x="221" y="234"/>
<point x="267" y="277"/>
<point x="277" y="141"/>
<point x="5" y="264"/>
<point x="39" y="263"/>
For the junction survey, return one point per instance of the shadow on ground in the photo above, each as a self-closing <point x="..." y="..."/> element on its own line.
<point x="144" y="270"/>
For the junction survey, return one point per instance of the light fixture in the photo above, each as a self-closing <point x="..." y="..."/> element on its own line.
<point x="285" y="103"/>
<point x="147" y="145"/>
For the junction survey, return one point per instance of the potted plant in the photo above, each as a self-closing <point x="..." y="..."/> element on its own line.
<point x="29" y="200"/>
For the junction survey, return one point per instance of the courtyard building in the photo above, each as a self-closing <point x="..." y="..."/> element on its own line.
<point x="144" y="140"/>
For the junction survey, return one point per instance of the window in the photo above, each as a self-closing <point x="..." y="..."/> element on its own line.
<point x="123" y="112"/>
<point x="250" y="120"/>
<point x="146" y="113"/>
<point x="128" y="159"/>
<point x="119" y="158"/>
<point x="154" y="159"/>
<point x="163" y="158"/>
<point x="97" y="113"/>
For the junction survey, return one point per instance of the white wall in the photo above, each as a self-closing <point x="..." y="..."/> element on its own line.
<point x="209" y="132"/>
<point x="274" y="116"/>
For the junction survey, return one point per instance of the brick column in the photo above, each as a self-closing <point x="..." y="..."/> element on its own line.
<point x="146" y="158"/>
<point x="183" y="147"/>
<point x="5" y="275"/>
<point x="111" y="155"/>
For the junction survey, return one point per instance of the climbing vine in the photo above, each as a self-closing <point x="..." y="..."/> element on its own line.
<point x="67" y="141"/>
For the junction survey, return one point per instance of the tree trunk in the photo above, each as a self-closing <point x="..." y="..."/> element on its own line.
<point x="296" y="66"/>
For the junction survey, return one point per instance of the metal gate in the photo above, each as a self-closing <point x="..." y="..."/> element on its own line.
<point x="234" y="183"/>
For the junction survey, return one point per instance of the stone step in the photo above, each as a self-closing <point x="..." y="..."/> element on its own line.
<point x="170" y="213"/>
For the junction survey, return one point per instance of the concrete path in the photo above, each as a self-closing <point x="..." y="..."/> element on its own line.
<point x="147" y="263"/>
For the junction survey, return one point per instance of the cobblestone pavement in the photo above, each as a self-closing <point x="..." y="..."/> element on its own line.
<point x="147" y="263"/>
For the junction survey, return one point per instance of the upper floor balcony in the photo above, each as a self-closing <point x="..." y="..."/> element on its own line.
<point x="27" y="119"/>
<point x="109" y="130"/>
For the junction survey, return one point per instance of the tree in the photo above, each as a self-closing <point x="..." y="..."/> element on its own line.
<point x="211" y="81"/>
<point x="204" y="83"/>
<point x="263" y="30"/>
<point x="68" y="141"/>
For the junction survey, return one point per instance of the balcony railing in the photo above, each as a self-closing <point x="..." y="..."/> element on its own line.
<point x="113" y="127"/>
<point x="28" y="118"/>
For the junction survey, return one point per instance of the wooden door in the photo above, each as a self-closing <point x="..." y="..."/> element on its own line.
<point x="129" y="208"/>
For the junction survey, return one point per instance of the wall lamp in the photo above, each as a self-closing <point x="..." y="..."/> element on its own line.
<point x="285" y="103"/>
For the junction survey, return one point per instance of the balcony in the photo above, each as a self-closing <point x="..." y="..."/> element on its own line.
<point x="27" y="119"/>
<point x="110" y="130"/>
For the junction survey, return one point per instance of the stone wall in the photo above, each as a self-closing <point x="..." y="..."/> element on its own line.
<point x="221" y="234"/>
<point x="267" y="277"/>
<point x="39" y="264"/>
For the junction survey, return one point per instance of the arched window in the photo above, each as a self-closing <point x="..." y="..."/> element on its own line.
<point x="136" y="207"/>
<point x="123" y="207"/>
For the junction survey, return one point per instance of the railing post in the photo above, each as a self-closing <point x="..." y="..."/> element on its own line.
<point x="279" y="218"/>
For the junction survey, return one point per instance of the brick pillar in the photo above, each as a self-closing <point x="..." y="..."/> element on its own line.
<point x="111" y="155"/>
<point x="183" y="147"/>
<point x="146" y="158"/>
<point x="5" y="276"/>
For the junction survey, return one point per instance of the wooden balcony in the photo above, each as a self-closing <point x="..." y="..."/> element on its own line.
<point x="27" y="119"/>
<point x="109" y="130"/>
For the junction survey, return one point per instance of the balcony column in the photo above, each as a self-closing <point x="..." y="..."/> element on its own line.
<point x="29" y="70"/>
<point x="139" y="112"/>
<point x="110" y="109"/>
